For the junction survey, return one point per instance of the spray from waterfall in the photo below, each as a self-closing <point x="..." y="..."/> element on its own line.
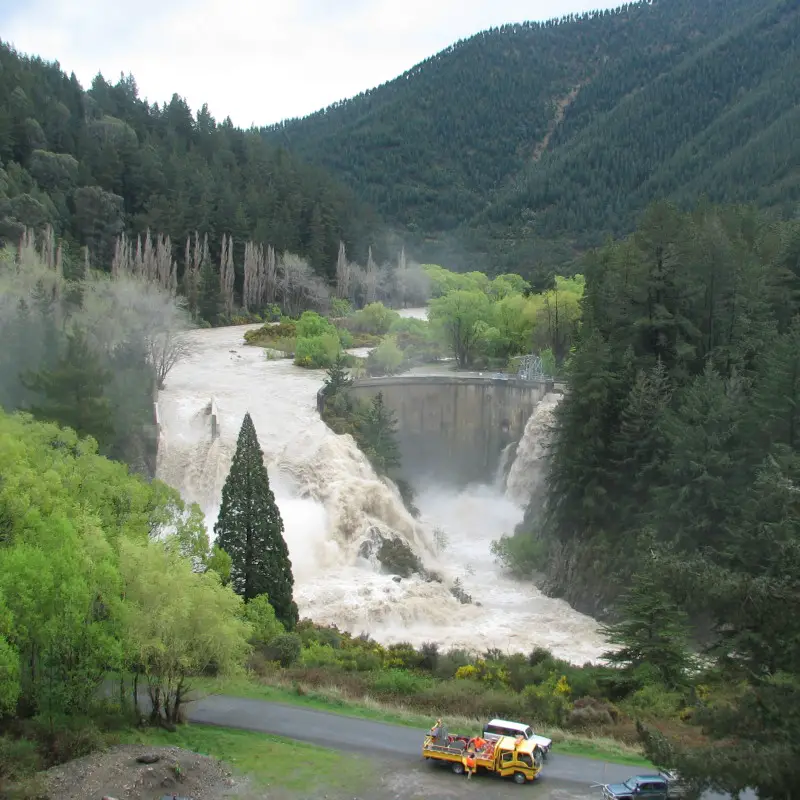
<point x="503" y="466"/>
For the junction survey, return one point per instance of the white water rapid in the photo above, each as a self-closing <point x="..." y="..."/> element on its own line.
<point x="332" y="502"/>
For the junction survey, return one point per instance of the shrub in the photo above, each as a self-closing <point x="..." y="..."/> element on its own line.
<point x="374" y="318"/>
<point x="548" y="701"/>
<point x="589" y="713"/>
<point x="448" y="664"/>
<point x="312" y="324"/>
<point x="261" y="616"/>
<point x="521" y="554"/>
<point x="470" y="698"/>
<point x="65" y="738"/>
<point x="317" y="352"/>
<point x="653" y="701"/>
<point x="32" y="788"/>
<point x="18" y="759"/>
<point x="430" y="656"/>
<point x="366" y="661"/>
<point x="318" y="655"/>
<point x="460" y="593"/>
<point x="345" y="338"/>
<point x="386" y="358"/>
<point x="285" y="649"/>
<point x="403" y="655"/>
<point x="397" y="558"/>
<point x="398" y="683"/>
<point x="340" y="308"/>
<point x="270" y="333"/>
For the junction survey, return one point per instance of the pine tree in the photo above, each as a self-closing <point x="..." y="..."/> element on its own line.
<point x="73" y="392"/>
<point x="338" y="377"/>
<point x="250" y="530"/>
<point x="209" y="301"/>
<point x="377" y="434"/>
<point x="652" y="632"/>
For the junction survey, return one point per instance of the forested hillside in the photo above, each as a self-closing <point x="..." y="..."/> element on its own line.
<point x="675" y="465"/>
<point x="96" y="163"/>
<point x="519" y="146"/>
<point x="681" y="426"/>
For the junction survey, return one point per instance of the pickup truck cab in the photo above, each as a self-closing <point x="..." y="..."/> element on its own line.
<point x="496" y="728"/>
<point x="664" y="786"/>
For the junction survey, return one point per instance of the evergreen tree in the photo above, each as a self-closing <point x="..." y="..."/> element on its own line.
<point x="377" y="434"/>
<point x="73" y="392"/>
<point x="337" y="378"/>
<point x="250" y="530"/>
<point x="652" y="632"/>
<point x="209" y="300"/>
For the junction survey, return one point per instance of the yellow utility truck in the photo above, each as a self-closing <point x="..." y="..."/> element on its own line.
<point x="506" y="756"/>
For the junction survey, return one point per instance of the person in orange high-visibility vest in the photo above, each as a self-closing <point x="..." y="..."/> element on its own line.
<point x="469" y="764"/>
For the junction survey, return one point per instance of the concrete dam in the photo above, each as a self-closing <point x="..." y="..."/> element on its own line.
<point x="453" y="429"/>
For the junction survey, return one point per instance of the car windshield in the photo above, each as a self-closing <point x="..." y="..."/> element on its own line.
<point x="631" y="784"/>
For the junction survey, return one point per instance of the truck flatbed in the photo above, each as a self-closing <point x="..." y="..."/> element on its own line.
<point x="506" y="757"/>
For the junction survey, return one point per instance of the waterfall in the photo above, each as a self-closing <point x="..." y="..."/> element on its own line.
<point x="527" y="471"/>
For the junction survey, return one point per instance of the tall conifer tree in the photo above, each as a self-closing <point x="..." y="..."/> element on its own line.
<point x="250" y="530"/>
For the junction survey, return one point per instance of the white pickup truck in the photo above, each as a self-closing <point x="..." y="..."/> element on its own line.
<point x="496" y="728"/>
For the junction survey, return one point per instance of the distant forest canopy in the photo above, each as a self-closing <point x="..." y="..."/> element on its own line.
<point x="522" y="146"/>
<point x="515" y="150"/>
<point x="95" y="164"/>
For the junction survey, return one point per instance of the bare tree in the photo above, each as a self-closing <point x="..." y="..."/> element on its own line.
<point x="164" y="350"/>
<point x="165" y="268"/>
<point x="270" y="276"/>
<point x="357" y="282"/>
<point x="371" y="280"/>
<point x="226" y="274"/>
<point x="259" y="276"/>
<point x="153" y="264"/>
<point x="195" y="257"/>
<point x="250" y="276"/>
<point x="344" y="274"/>
<point x="299" y="287"/>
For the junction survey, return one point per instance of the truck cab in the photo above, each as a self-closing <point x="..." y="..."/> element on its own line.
<point x="496" y="728"/>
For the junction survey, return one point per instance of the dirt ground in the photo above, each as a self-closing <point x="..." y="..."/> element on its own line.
<point x="117" y="774"/>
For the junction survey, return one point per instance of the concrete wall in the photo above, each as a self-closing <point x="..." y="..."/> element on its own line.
<point x="453" y="429"/>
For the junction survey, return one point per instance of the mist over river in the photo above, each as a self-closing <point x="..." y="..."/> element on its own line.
<point x="332" y="502"/>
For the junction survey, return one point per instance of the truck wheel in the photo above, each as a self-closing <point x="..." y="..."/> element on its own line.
<point x="519" y="777"/>
<point x="458" y="768"/>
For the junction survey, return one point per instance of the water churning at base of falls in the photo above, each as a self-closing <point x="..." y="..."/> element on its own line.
<point x="332" y="502"/>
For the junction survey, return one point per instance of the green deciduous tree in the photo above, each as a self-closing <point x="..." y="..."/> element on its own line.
<point x="177" y="624"/>
<point x="456" y="314"/>
<point x="260" y="614"/>
<point x="250" y="530"/>
<point x="100" y="570"/>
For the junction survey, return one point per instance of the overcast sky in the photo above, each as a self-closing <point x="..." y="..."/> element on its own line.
<point x="258" y="61"/>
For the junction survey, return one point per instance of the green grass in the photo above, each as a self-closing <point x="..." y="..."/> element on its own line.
<point x="332" y="700"/>
<point x="270" y="761"/>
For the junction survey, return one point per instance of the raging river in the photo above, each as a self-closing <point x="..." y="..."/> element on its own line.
<point x="332" y="501"/>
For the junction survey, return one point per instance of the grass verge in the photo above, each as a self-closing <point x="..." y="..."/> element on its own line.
<point x="270" y="761"/>
<point x="332" y="700"/>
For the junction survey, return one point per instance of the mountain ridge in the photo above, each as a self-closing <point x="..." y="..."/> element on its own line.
<point x="668" y="98"/>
